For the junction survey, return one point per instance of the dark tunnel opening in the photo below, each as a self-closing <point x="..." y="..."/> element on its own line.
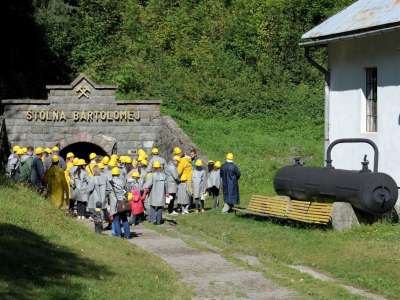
<point x="82" y="150"/>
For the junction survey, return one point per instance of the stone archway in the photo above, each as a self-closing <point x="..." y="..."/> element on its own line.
<point x="106" y="143"/>
<point x="83" y="150"/>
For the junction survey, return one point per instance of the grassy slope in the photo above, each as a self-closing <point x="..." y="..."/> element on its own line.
<point x="46" y="255"/>
<point x="365" y="256"/>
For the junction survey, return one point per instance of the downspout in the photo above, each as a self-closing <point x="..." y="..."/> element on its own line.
<point x="327" y="76"/>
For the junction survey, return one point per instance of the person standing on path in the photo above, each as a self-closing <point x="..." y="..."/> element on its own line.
<point x="199" y="184"/>
<point x="230" y="175"/>
<point x="214" y="183"/>
<point x="37" y="169"/>
<point x="57" y="186"/>
<point x="156" y="187"/>
<point x="171" y="172"/>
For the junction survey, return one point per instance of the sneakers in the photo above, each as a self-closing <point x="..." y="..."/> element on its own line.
<point x="174" y="213"/>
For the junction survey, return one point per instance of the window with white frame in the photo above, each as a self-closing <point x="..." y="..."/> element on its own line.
<point x="371" y="99"/>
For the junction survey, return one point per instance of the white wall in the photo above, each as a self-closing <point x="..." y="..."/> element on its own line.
<point x="347" y="103"/>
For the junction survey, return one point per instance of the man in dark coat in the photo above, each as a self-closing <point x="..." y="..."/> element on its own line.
<point x="230" y="175"/>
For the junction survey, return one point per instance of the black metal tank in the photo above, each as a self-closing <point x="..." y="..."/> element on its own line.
<point x="372" y="192"/>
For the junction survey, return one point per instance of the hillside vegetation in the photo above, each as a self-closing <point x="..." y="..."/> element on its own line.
<point x="47" y="255"/>
<point x="230" y="57"/>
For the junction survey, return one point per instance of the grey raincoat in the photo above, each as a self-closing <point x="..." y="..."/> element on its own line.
<point x="214" y="179"/>
<point x="97" y="191"/>
<point x="80" y="185"/>
<point x="199" y="183"/>
<point x="183" y="194"/>
<point x="13" y="164"/>
<point x="158" y="187"/>
<point x="172" y="178"/>
<point x="117" y="193"/>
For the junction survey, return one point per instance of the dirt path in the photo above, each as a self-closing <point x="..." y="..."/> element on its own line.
<point x="209" y="274"/>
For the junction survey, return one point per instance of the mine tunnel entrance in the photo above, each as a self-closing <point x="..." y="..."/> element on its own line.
<point x="82" y="150"/>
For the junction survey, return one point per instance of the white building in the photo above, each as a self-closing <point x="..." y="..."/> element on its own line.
<point x="362" y="95"/>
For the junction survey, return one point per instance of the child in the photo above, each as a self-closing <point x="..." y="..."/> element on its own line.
<point x="183" y="195"/>
<point x="98" y="218"/>
<point x="214" y="183"/>
<point x="135" y="201"/>
<point x="199" y="185"/>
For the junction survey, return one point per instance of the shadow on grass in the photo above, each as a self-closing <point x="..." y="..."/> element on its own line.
<point x="33" y="268"/>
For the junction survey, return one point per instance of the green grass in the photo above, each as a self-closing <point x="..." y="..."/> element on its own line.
<point x="47" y="255"/>
<point x="366" y="256"/>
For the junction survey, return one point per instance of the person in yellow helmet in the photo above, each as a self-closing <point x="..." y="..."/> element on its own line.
<point x="171" y="171"/>
<point x="97" y="190"/>
<point x="117" y="194"/>
<point x="185" y="168"/>
<point x="13" y="163"/>
<point x="57" y="186"/>
<point x="199" y="185"/>
<point x="230" y="175"/>
<point x="155" y="156"/>
<point x="56" y="151"/>
<point x="37" y="171"/>
<point x="69" y="165"/>
<point x="183" y="196"/>
<point x="92" y="164"/>
<point x="214" y="183"/>
<point x="155" y="187"/>
<point x="80" y="188"/>
<point x="26" y="165"/>
<point x="47" y="158"/>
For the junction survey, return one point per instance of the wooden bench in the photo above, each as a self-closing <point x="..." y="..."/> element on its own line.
<point x="284" y="208"/>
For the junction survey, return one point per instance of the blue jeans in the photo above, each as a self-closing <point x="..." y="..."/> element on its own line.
<point x="116" y="225"/>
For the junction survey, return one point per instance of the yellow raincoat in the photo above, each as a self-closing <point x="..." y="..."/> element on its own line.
<point x="185" y="170"/>
<point x="57" y="186"/>
<point x="68" y="176"/>
<point x="89" y="169"/>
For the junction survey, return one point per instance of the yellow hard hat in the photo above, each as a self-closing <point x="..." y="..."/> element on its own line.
<point x="141" y="152"/>
<point x="184" y="177"/>
<point x="130" y="196"/>
<point x="92" y="155"/>
<point x="198" y="163"/>
<point x="70" y="155"/>
<point x="229" y="156"/>
<point x="177" y="158"/>
<point x="20" y="152"/>
<point x="144" y="162"/>
<point x="210" y="162"/>
<point x="55" y="149"/>
<point x="122" y="159"/>
<point x="47" y="150"/>
<point x="38" y="150"/>
<point x="75" y="161"/>
<point x="15" y="148"/>
<point x="156" y="164"/>
<point x="134" y="163"/>
<point x="55" y="159"/>
<point x="114" y="156"/>
<point x="112" y="163"/>
<point x="101" y="166"/>
<point x="154" y="151"/>
<point x="177" y="151"/>
<point x="217" y="164"/>
<point x="81" y="162"/>
<point x="25" y="150"/>
<point x="135" y="174"/>
<point x="105" y="160"/>
<point x="115" y="171"/>
<point x="128" y="160"/>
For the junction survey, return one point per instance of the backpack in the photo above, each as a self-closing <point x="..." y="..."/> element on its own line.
<point x="26" y="169"/>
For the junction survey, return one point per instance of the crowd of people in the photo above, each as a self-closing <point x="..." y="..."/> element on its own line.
<point x="124" y="190"/>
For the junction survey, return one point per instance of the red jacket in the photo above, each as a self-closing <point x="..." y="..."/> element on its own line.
<point x="136" y="203"/>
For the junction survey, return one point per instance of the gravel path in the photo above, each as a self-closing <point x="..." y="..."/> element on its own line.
<point x="209" y="274"/>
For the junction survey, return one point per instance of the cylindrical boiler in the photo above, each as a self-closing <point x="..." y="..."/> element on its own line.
<point x="372" y="192"/>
